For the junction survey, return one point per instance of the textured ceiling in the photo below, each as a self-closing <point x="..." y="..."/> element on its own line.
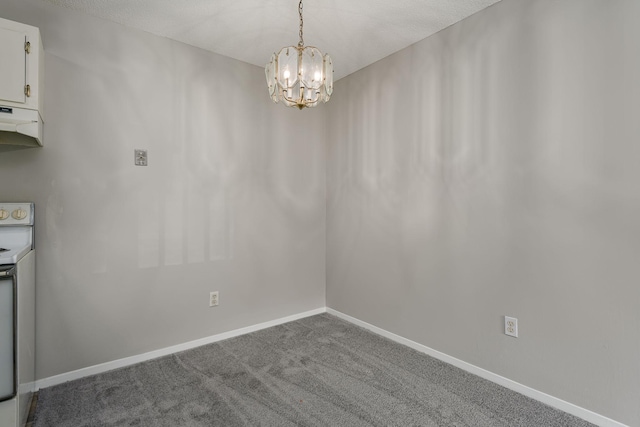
<point x="355" y="33"/>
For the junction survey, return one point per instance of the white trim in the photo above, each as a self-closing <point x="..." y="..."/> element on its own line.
<point x="29" y="387"/>
<point x="127" y="361"/>
<point x="560" y="404"/>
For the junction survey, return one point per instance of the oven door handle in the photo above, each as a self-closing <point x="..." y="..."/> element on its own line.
<point x="8" y="272"/>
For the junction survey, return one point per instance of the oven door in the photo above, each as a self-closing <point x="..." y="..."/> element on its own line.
<point x="7" y="332"/>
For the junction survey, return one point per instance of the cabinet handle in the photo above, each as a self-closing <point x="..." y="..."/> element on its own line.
<point x="27" y="91"/>
<point x="27" y="47"/>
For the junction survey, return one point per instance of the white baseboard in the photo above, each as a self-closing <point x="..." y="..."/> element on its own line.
<point x="27" y="387"/>
<point x="127" y="361"/>
<point x="560" y="404"/>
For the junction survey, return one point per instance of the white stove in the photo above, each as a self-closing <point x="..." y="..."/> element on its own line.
<point x="16" y="231"/>
<point x="12" y="256"/>
<point x="17" y="312"/>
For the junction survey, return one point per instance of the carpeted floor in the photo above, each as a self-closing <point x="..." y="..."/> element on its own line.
<point x="318" y="371"/>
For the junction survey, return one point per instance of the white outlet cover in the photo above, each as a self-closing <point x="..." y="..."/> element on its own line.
<point x="511" y="326"/>
<point x="213" y="299"/>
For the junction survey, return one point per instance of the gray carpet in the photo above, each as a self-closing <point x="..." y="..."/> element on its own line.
<point x="318" y="371"/>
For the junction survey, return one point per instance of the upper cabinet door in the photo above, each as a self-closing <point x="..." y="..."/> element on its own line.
<point x="13" y="68"/>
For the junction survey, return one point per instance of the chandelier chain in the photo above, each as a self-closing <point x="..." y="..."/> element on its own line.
<point x="301" y="42"/>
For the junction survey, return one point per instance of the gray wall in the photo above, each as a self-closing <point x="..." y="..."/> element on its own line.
<point x="490" y="170"/>
<point x="230" y="201"/>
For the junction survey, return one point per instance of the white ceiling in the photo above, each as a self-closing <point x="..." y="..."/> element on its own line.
<point x="355" y="33"/>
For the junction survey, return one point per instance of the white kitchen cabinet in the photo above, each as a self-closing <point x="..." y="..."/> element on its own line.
<point x="22" y="70"/>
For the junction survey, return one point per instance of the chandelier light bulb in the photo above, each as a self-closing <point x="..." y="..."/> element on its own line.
<point x="300" y="76"/>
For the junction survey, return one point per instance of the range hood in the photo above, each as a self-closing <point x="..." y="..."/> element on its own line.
<point x="20" y="126"/>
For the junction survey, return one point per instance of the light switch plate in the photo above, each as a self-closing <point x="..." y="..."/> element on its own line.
<point x="140" y="157"/>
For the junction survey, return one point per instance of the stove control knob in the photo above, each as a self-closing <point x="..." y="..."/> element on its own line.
<point x="4" y="214"/>
<point x="19" y="214"/>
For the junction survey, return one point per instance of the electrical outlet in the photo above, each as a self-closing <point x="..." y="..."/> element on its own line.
<point x="213" y="299"/>
<point x="511" y="326"/>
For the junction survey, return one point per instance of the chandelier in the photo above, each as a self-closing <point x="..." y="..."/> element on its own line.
<point x="300" y="76"/>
